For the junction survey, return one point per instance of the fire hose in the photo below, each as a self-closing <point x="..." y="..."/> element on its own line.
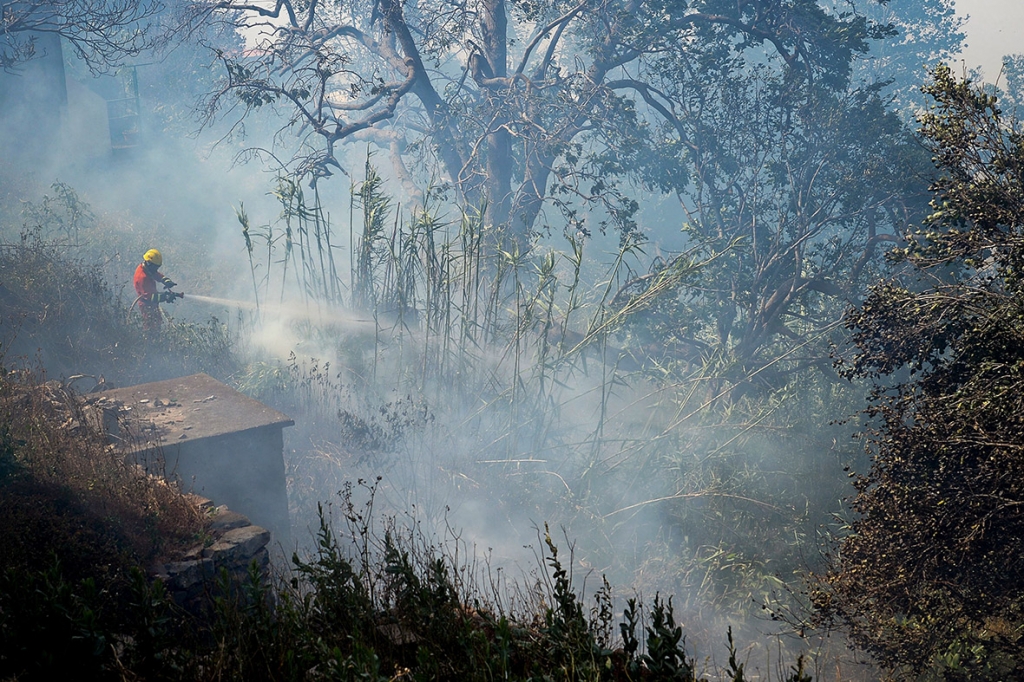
<point x="167" y="296"/>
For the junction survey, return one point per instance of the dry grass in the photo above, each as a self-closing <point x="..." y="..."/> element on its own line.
<point x="63" y="480"/>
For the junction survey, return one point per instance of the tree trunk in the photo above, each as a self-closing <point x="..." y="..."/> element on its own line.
<point x="498" y="145"/>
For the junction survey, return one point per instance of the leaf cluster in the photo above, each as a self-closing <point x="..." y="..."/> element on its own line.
<point x="928" y="577"/>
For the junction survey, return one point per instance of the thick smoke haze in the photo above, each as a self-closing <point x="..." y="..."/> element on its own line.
<point x="649" y="364"/>
<point x="993" y="31"/>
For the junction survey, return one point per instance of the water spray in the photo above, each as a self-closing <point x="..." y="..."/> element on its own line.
<point x="288" y="312"/>
<point x="226" y="302"/>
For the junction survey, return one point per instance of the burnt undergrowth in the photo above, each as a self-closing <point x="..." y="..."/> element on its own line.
<point x="373" y="599"/>
<point x="60" y="312"/>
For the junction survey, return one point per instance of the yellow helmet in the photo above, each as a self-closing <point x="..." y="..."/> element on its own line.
<point x="153" y="256"/>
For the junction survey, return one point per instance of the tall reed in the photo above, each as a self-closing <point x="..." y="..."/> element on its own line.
<point x="513" y="373"/>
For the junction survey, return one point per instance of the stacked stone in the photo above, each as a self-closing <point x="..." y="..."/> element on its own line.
<point x="233" y="544"/>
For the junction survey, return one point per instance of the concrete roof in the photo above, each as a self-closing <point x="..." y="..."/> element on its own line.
<point x="187" y="409"/>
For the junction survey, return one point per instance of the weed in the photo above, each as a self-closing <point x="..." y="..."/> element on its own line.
<point x="64" y="479"/>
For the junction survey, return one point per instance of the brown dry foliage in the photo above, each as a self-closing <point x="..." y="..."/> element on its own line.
<point x="61" y="477"/>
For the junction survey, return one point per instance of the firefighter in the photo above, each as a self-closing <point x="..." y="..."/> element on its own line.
<point x="147" y="275"/>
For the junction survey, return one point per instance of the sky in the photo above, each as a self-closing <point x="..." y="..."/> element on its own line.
<point x="995" y="28"/>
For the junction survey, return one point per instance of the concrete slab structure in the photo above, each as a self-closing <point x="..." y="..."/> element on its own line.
<point x="215" y="441"/>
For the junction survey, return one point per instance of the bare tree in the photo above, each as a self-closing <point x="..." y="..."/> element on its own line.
<point x="520" y="102"/>
<point x="101" y="32"/>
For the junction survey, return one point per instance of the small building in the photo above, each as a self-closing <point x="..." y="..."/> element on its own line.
<point x="208" y="437"/>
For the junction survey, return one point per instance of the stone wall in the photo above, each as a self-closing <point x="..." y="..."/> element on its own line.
<point x="232" y="544"/>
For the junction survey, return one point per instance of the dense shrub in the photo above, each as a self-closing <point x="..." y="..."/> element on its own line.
<point x="929" y="578"/>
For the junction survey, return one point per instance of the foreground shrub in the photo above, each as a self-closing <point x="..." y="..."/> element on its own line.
<point x="929" y="578"/>
<point x="378" y="606"/>
<point x="384" y="606"/>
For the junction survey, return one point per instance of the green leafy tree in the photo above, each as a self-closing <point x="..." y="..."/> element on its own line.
<point x="929" y="578"/>
<point x="921" y="33"/>
<point x="1011" y="82"/>
<point x="797" y="188"/>
<point x="523" y="105"/>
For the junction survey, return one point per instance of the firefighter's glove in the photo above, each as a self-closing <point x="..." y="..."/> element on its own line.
<point x="168" y="283"/>
<point x="167" y="297"/>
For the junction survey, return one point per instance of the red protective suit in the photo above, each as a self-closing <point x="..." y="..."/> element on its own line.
<point x="146" y="277"/>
